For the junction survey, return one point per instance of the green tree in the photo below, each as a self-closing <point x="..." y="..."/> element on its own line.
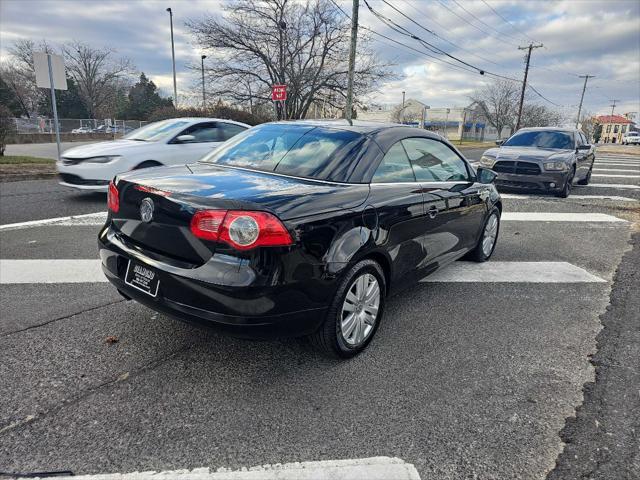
<point x="143" y="99"/>
<point x="69" y="103"/>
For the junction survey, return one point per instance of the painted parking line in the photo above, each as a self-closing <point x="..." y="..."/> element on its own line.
<point x="559" y="217"/>
<point x="51" y="271"/>
<point x="614" y="175"/>
<point x="97" y="218"/>
<point x="89" y="271"/>
<point x="374" y="468"/>
<point x="615" y="198"/>
<point x="513" y="272"/>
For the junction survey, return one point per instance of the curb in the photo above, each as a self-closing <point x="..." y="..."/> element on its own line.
<point x="7" y="178"/>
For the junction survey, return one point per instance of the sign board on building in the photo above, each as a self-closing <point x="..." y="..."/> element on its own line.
<point x="41" y="67"/>
<point x="278" y="93"/>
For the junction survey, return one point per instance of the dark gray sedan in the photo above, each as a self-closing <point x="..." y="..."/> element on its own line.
<point x="548" y="159"/>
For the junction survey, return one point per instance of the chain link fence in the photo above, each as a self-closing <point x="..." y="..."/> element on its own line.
<point x="77" y="126"/>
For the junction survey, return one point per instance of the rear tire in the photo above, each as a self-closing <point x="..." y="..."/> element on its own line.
<point x="352" y="320"/>
<point x="489" y="238"/>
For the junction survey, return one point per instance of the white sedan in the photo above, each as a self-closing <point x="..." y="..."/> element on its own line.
<point x="177" y="141"/>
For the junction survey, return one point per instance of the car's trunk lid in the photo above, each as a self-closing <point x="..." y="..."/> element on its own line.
<point x="178" y="192"/>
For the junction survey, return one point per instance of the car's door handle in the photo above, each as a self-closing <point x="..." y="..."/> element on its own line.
<point x="433" y="211"/>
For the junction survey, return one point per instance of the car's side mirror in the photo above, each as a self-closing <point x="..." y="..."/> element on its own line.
<point x="586" y="146"/>
<point x="484" y="175"/>
<point x="499" y="142"/>
<point x="185" y="138"/>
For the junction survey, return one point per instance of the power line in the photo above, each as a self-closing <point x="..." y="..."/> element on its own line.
<point x="445" y="64"/>
<point x="435" y="34"/>
<point x="543" y="97"/>
<point x="507" y="21"/>
<point x="441" y="3"/>
<point x="403" y="31"/>
<point x="484" y="23"/>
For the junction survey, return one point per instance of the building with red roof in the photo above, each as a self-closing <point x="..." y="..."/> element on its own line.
<point x="613" y="127"/>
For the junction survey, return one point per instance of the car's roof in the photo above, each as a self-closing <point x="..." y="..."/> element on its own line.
<point x="359" y="126"/>
<point x="554" y="129"/>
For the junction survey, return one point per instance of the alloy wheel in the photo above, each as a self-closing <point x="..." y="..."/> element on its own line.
<point x="360" y="310"/>
<point x="490" y="234"/>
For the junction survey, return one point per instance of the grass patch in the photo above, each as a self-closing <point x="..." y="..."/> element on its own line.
<point x="21" y="159"/>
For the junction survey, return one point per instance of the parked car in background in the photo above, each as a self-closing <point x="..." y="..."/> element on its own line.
<point x="631" y="138"/>
<point x="298" y="228"/>
<point x="548" y="159"/>
<point x="168" y="142"/>
<point x="81" y="130"/>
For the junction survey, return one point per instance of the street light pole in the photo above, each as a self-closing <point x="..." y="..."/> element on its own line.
<point x="586" y="77"/>
<point x="352" y="59"/>
<point x="204" y="98"/>
<point x="173" y="61"/>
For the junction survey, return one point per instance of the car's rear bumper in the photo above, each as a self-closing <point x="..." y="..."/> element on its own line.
<point x="546" y="181"/>
<point x="254" y="312"/>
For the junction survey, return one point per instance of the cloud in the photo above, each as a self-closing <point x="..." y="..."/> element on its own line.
<point x="599" y="38"/>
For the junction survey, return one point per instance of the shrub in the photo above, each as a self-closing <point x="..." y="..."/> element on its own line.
<point x="7" y="127"/>
<point x="217" y="111"/>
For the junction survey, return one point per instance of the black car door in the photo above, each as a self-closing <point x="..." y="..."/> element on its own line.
<point x="398" y="201"/>
<point x="459" y="204"/>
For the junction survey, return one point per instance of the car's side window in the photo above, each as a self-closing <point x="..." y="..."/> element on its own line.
<point x="395" y="167"/>
<point x="203" y="132"/>
<point x="228" y="130"/>
<point x="433" y="161"/>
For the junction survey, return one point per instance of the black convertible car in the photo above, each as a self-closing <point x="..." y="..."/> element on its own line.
<point x="298" y="228"/>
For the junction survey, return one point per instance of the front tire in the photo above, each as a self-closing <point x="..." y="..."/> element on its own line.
<point x="355" y="313"/>
<point x="566" y="189"/>
<point x="587" y="179"/>
<point x="487" y="242"/>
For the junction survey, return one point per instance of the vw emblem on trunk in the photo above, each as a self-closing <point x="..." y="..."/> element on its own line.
<point x="146" y="210"/>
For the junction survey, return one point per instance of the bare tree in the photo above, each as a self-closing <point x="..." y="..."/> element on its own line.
<point x="304" y="45"/>
<point x="19" y="75"/>
<point x="534" y="115"/>
<point x="7" y="127"/>
<point x="406" y="114"/>
<point x="498" y="103"/>
<point x="97" y="72"/>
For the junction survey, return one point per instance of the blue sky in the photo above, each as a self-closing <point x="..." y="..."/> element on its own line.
<point x="601" y="38"/>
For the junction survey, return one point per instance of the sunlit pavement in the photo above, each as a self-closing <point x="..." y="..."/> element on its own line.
<point x="466" y="376"/>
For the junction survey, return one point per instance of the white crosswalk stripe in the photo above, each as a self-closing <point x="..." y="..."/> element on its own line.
<point x="614" y="175"/>
<point x="513" y="272"/>
<point x="617" y="170"/>
<point x="559" y="217"/>
<point x="615" y="198"/>
<point x="90" y="271"/>
<point x="612" y="185"/>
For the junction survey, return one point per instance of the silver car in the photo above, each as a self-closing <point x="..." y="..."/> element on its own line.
<point x="547" y="158"/>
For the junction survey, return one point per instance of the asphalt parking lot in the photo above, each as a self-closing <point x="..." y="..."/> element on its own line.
<point x="467" y="378"/>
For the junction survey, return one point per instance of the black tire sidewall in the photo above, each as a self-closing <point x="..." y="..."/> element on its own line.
<point x="334" y="316"/>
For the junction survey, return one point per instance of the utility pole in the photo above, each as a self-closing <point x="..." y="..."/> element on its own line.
<point x="613" y="106"/>
<point x="282" y="28"/>
<point x="352" y="59"/>
<point x="524" y="83"/>
<point x="204" y="98"/>
<point x="403" y="99"/>
<point x="173" y="61"/>
<point x="586" y="77"/>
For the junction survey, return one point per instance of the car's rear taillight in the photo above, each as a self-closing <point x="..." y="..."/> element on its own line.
<point x="243" y="230"/>
<point x="113" y="199"/>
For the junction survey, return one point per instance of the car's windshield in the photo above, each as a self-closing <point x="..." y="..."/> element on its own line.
<point x="541" y="139"/>
<point x="299" y="150"/>
<point x="157" y="131"/>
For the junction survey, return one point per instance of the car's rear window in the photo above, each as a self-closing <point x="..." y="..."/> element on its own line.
<point x="298" y="150"/>
<point x="541" y="139"/>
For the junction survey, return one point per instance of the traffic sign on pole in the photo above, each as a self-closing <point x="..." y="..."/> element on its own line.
<point x="50" y="74"/>
<point x="278" y="93"/>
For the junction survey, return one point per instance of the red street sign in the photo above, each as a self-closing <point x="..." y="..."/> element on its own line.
<point x="278" y="93"/>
